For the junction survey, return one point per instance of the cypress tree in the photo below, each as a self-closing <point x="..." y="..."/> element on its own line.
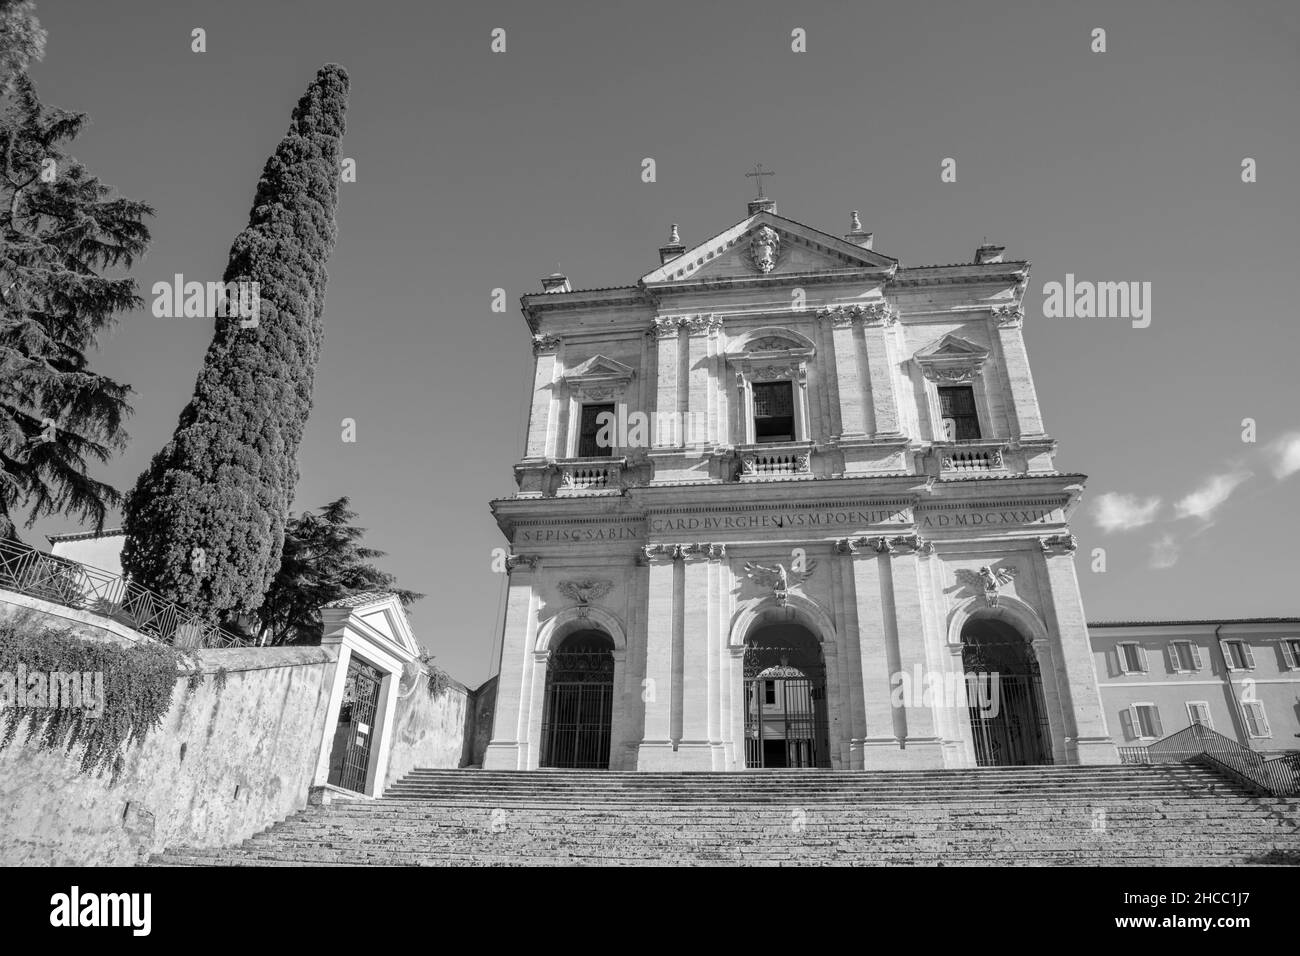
<point x="205" y="522"/>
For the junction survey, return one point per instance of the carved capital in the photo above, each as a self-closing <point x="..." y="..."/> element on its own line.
<point x="1059" y="544"/>
<point x="682" y="552"/>
<point x="649" y="552"/>
<point x="718" y="552"/>
<point x="665" y="327"/>
<point x="847" y="545"/>
<point x="879" y="314"/>
<point x="703" y="324"/>
<point x="530" y="561"/>
<point x="1009" y="316"/>
<point x="545" y="343"/>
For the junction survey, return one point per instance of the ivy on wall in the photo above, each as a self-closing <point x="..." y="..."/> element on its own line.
<point x="75" y="691"/>
<point x="439" y="680"/>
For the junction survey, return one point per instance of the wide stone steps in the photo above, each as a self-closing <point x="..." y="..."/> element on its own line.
<point x="1125" y="815"/>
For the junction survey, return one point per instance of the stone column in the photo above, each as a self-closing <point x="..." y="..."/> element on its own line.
<point x="1089" y="742"/>
<point x="880" y="741"/>
<point x="656" y="749"/>
<point x="962" y="732"/>
<point x="845" y="603"/>
<point x="853" y="401"/>
<point x="1015" y="365"/>
<point x="543" y="417"/>
<point x="699" y="748"/>
<point x="922" y="738"/>
<point x="535" y="709"/>
<point x="700" y="328"/>
<point x="667" y="333"/>
<point x="877" y="335"/>
<point x="509" y="745"/>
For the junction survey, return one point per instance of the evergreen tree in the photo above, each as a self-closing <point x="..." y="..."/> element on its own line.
<point x="61" y="229"/>
<point x="21" y="40"/>
<point x="205" y="522"/>
<point x="323" y="561"/>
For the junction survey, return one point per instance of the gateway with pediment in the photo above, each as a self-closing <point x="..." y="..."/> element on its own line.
<point x="845" y="493"/>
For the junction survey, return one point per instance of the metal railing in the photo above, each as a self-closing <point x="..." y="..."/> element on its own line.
<point x="75" y="585"/>
<point x="1279" y="776"/>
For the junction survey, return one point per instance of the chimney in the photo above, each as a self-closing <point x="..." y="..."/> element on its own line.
<point x="674" y="248"/>
<point x="762" y="204"/>
<point x="556" y="282"/>
<point x="856" y="235"/>
<point x="988" y="253"/>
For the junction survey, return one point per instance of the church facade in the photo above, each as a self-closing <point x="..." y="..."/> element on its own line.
<point x="786" y="502"/>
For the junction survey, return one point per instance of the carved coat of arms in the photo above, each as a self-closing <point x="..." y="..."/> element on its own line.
<point x="764" y="247"/>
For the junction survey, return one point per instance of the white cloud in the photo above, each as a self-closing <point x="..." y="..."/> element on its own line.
<point x="1285" y="453"/>
<point x="1164" y="552"/>
<point x="1203" y="502"/>
<point x="1116" y="512"/>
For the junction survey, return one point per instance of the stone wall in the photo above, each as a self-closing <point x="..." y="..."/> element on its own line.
<point x="226" y="763"/>
<point x="429" y="731"/>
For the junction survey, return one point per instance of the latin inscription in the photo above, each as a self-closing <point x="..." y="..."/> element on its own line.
<point x="578" y="533"/>
<point x="982" y="519"/>
<point x="777" y="520"/>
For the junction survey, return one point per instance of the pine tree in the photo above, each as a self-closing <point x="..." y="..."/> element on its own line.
<point x="21" y="40"/>
<point x="205" y="522"/>
<point x="323" y="561"/>
<point x="60" y="230"/>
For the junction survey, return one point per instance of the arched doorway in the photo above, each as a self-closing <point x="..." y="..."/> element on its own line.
<point x="1008" y="717"/>
<point x="785" y="699"/>
<point x="579" y="702"/>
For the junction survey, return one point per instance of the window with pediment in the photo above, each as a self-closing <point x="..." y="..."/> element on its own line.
<point x="771" y="368"/>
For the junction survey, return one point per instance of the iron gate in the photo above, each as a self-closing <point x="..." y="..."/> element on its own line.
<point x="579" y="705"/>
<point x="1016" y="734"/>
<point x="785" y="706"/>
<point x="357" y="723"/>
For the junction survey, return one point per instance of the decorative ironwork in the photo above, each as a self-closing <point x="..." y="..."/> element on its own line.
<point x="357" y="725"/>
<point x="72" y="584"/>
<point x="579" y="704"/>
<point x="1016" y="732"/>
<point x="786" y="721"/>
<point x="1279" y="776"/>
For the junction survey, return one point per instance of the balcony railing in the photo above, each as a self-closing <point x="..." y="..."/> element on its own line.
<point x="961" y="460"/>
<point x="590" y="474"/>
<point x="75" y="585"/>
<point x="759" y="463"/>
<point x="1279" y="776"/>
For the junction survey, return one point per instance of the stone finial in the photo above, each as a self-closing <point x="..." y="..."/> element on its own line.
<point x="855" y="224"/>
<point x="674" y="248"/>
<point x="556" y="282"/>
<point x="988" y="252"/>
<point x="673" y="237"/>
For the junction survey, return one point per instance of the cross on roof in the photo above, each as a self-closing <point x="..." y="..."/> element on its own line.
<point x="758" y="173"/>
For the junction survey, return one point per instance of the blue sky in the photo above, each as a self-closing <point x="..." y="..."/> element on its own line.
<point x="479" y="170"/>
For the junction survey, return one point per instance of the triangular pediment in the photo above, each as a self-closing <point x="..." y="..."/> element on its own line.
<point x="766" y="244"/>
<point x="600" y="366"/>
<point x="952" y="347"/>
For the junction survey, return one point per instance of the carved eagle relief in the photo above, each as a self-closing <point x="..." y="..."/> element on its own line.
<point x="584" y="592"/>
<point x="986" y="581"/>
<point x="778" y="577"/>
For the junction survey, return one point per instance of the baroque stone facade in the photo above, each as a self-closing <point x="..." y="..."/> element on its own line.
<point x="807" y="446"/>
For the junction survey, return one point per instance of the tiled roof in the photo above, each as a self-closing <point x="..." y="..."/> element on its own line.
<point x="361" y="599"/>
<point x="1212" y="621"/>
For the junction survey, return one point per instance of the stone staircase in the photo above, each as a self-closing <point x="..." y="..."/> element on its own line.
<point x="1126" y="815"/>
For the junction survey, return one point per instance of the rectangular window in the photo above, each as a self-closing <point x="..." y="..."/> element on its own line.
<point x="1148" y="720"/>
<point x="1238" y="655"/>
<point x="1132" y="658"/>
<point x="957" y="405"/>
<point x="1291" y="653"/>
<point x="1256" y="722"/>
<point x="769" y="691"/>
<point x="773" y="411"/>
<point x="1198" y="712"/>
<point x="588" y="447"/>
<point x="1186" y="656"/>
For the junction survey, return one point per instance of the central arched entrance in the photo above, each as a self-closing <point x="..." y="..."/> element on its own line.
<point x="1008" y="717"/>
<point x="579" y="702"/>
<point x="785" y="699"/>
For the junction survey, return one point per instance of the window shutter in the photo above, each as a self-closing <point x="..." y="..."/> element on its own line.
<point x="1288" y="655"/>
<point x="1142" y="658"/>
<point x="1264" y="730"/>
<point x="1155" y="721"/>
<point x="1171" y="651"/>
<point x="1227" y="656"/>
<point x="1249" y="655"/>
<point x="1119" y="659"/>
<point x="1254" y="718"/>
<point x="1128" y="722"/>
<point x="1196" y="655"/>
